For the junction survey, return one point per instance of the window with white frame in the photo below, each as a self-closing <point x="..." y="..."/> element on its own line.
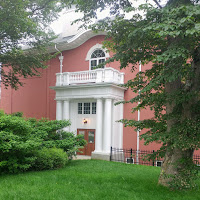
<point x="80" y="108"/>
<point x="159" y="163"/>
<point x="97" y="57"/>
<point x="87" y="108"/>
<point x="94" y="107"/>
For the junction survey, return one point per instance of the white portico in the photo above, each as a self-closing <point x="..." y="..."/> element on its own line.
<point x="91" y="95"/>
<point x="87" y="98"/>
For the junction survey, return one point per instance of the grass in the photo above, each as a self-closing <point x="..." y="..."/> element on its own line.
<point x="91" y="179"/>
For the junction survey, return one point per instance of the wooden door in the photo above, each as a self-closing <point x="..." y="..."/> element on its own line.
<point x="89" y="136"/>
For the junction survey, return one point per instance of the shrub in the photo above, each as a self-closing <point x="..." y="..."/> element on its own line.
<point x="53" y="136"/>
<point x="59" y="157"/>
<point x="17" y="114"/>
<point x="66" y="141"/>
<point x="21" y="138"/>
<point x="51" y="158"/>
<point x="16" y="144"/>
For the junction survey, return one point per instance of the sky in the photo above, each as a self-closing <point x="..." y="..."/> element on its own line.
<point x="57" y="25"/>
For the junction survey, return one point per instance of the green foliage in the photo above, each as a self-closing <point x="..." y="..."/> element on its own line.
<point x="47" y="130"/>
<point x="186" y="177"/>
<point x="22" y="140"/>
<point x="16" y="144"/>
<point x="25" y="24"/>
<point x="168" y="39"/>
<point x="49" y="158"/>
<point x="18" y="114"/>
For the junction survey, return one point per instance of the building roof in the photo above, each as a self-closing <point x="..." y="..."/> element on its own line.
<point x="73" y="41"/>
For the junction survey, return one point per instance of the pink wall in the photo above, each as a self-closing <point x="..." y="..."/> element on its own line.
<point x="36" y="99"/>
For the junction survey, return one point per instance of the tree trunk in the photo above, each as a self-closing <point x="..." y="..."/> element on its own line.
<point x="173" y="168"/>
<point x="172" y="155"/>
<point x="172" y="165"/>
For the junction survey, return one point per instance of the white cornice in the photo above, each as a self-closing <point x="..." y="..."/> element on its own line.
<point x="73" y="42"/>
<point x="89" y="85"/>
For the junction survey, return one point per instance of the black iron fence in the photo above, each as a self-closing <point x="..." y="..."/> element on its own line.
<point x="132" y="156"/>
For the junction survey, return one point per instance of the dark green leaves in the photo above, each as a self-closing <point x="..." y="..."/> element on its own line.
<point x="24" y="23"/>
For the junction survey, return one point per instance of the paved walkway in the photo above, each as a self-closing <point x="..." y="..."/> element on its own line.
<point x="81" y="157"/>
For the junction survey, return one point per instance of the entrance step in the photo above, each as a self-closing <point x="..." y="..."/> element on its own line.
<point x="81" y="157"/>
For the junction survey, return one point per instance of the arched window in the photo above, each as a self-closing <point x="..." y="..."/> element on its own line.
<point x="97" y="57"/>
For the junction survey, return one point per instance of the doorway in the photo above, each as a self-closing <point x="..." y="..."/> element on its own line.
<point x="89" y="136"/>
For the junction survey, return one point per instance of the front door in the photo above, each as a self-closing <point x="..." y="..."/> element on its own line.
<point x="89" y="136"/>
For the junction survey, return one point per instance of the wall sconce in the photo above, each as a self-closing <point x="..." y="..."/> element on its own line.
<point x="85" y="121"/>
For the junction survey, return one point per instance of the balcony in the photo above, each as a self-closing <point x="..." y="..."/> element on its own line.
<point x="106" y="75"/>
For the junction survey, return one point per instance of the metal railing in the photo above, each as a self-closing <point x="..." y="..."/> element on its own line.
<point x="131" y="156"/>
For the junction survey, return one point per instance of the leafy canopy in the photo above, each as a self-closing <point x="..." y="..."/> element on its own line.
<point x="24" y="24"/>
<point x="169" y="39"/>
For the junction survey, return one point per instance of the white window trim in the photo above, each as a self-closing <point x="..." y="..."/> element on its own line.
<point x="92" y="49"/>
<point x="130" y="158"/>
<point x="83" y="108"/>
<point x="97" y="59"/>
<point x="160" y="162"/>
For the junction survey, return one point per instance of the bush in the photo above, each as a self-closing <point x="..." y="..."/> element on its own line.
<point x="16" y="144"/>
<point x="53" y="136"/>
<point x="52" y="158"/>
<point x="21" y="138"/>
<point x="66" y="141"/>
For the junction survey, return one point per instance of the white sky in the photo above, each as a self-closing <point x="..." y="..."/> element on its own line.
<point x="57" y="25"/>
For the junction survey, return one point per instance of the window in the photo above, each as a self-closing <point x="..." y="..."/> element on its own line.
<point x="80" y="107"/>
<point x="130" y="160"/>
<point x="94" y="105"/>
<point x="97" y="57"/>
<point x="159" y="163"/>
<point x="87" y="108"/>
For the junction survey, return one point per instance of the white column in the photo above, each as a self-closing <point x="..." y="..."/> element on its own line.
<point x="58" y="110"/>
<point x="121" y="125"/>
<point x="107" y="125"/>
<point x="99" y="126"/>
<point x="66" y="112"/>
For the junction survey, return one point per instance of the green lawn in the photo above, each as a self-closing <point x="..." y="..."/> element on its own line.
<point x="91" y="179"/>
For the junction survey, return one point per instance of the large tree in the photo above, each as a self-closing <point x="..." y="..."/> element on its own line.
<point x="24" y="23"/>
<point x="168" y="37"/>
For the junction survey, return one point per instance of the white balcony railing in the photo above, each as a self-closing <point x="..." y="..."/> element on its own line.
<point x="108" y="75"/>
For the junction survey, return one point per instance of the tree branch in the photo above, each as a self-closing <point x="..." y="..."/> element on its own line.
<point x="157" y="3"/>
<point x="41" y="7"/>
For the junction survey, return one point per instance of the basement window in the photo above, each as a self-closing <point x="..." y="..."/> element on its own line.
<point x="159" y="163"/>
<point x="130" y="160"/>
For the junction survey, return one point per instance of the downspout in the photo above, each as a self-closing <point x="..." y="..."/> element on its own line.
<point x="61" y="57"/>
<point x="138" y="131"/>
